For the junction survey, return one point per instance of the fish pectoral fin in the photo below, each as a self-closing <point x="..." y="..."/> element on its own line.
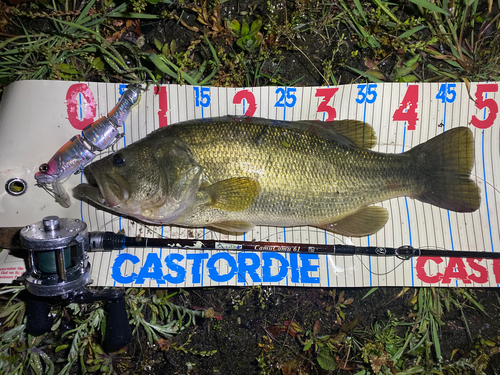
<point x="234" y="194"/>
<point x="234" y="226"/>
<point x="365" y="221"/>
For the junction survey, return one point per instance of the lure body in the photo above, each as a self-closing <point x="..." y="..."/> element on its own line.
<point x="82" y="149"/>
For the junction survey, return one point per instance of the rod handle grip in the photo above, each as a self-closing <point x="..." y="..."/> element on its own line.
<point x="118" y="331"/>
<point x="38" y="320"/>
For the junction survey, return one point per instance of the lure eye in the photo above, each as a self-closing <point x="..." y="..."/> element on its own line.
<point x="118" y="160"/>
<point x="44" y="168"/>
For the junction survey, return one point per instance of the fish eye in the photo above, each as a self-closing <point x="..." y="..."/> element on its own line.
<point x="118" y="160"/>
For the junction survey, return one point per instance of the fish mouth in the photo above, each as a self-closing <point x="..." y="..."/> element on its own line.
<point x="107" y="189"/>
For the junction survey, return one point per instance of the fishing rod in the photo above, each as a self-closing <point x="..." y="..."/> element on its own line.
<point x="58" y="266"/>
<point x="108" y="241"/>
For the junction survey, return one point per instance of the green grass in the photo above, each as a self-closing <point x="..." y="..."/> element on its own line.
<point x="419" y="39"/>
<point x="75" y="50"/>
<point x="81" y="345"/>
<point x="445" y="44"/>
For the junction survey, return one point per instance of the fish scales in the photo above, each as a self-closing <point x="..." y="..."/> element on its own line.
<point x="302" y="178"/>
<point x="234" y="173"/>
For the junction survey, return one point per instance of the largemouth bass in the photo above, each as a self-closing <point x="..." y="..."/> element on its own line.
<point x="234" y="173"/>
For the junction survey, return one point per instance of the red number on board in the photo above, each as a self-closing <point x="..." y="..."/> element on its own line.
<point x="162" y="99"/>
<point x="407" y="110"/>
<point x="327" y="94"/>
<point x="481" y="103"/>
<point x="80" y="105"/>
<point x="250" y="99"/>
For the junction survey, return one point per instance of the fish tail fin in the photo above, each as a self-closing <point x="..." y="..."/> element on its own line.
<point x="445" y="163"/>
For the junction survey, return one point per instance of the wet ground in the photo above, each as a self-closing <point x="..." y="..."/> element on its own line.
<point x="266" y="329"/>
<point x="257" y="336"/>
<point x="253" y="338"/>
<point x="308" y="54"/>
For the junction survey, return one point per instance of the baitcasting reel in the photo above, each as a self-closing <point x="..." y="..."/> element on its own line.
<point x="57" y="260"/>
<point x="58" y="268"/>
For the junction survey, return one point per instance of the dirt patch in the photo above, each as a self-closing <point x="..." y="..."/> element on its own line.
<point x="248" y="341"/>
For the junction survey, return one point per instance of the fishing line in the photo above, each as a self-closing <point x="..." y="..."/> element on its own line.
<point x="481" y="179"/>
<point x="403" y="261"/>
<point x="110" y="221"/>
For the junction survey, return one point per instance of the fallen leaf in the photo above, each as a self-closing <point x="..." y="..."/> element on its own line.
<point x="317" y="327"/>
<point x="276" y="330"/>
<point x="163" y="344"/>
<point x="343" y="365"/>
<point x="348" y="301"/>
<point x="289" y="368"/>
<point x="293" y="328"/>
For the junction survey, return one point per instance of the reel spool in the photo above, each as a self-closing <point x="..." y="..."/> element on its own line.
<point x="57" y="264"/>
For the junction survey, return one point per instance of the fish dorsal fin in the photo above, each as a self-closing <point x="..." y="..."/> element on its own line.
<point x="351" y="133"/>
<point x="360" y="133"/>
<point x="347" y="132"/>
<point x="234" y="226"/>
<point x="234" y="194"/>
<point x="365" y="221"/>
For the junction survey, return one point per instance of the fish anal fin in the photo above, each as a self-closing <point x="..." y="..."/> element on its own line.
<point x="365" y="221"/>
<point x="234" y="226"/>
<point x="234" y="194"/>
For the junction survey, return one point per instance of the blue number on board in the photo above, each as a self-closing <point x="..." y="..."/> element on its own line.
<point x="121" y="88"/>
<point x="447" y="93"/>
<point x="202" y="96"/>
<point x="367" y="93"/>
<point x="287" y="97"/>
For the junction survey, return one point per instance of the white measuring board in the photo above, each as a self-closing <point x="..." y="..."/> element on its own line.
<point x="38" y="117"/>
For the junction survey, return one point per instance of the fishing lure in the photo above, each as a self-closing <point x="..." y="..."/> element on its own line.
<point x="82" y="149"/>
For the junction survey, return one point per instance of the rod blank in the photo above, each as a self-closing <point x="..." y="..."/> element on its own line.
<point x="112" y="241"/>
